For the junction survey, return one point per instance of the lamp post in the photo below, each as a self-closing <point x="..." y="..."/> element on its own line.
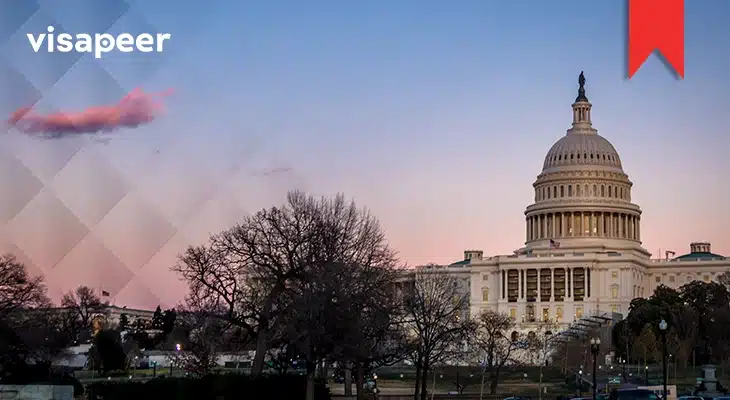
<point x="580" y="382"/>
<point x="595" y="347"/>
<point x="178" y="347"/>
<point x="663" y="331"/>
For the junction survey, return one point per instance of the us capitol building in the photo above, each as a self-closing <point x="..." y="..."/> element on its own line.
<point x="582" y="256"/>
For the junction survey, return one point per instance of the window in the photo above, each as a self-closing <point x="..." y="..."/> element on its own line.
<point x="658" y="279"/>
<point x="706" y="278"/>
<point x="485" y="277"/>
<point x="689" y="278"/>
<point x="485" y="294"/>
<point x="614" y="274"/>
<point x="513" y="313"/>
<point x="614" y="308"/>
<point x="555" y="191"/>
<point x="603" y="191"/>
<point x="578" y="312"/>
<point x="562" y="191"/>
<point x="570" y="190"/>
<point x="614" y="292"/>
<point x="546" y="314"/>
<point x="559" y="313"/>
<point x="671" y="278"/>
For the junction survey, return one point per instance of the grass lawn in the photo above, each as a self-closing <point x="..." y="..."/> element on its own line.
<point x="406" y="386"/>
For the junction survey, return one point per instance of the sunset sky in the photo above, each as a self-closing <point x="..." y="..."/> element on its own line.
<point x="436" y="115"/>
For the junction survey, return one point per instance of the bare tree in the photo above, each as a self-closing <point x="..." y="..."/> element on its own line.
<point x="724" y="279"/>
<point x="437" y="319"/>
<point x="252" y="273"/>
<point x="83" y="305"/>
<point x="540" y="344"/>
<point x="351" y="268"/>
<point x="28" y="330"/>
<point x="206" y="338"/>
<point x="18" y="290"/>
<point x="498" y="343"/>
<point x="243" y="272"/>
<point x="373" y="324"/>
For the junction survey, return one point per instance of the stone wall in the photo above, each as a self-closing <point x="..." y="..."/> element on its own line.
<point x="36" y="392"/>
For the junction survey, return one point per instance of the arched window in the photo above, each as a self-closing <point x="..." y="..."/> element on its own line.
<point x="562" y="191"/>
<point x="570" y="190"/>
<point x="594" y="191"/>
<point x="603" y="191"/>
<point x="555" y="191"/>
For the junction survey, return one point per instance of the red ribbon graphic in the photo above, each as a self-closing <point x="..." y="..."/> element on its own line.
<point x="656" y="25"/>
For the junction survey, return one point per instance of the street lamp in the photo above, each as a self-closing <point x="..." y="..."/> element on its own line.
<point x="595" y="347"/>
<point x="663" y="331"/>
<point x="580" y="382"/>
<point x="178" y="347"/>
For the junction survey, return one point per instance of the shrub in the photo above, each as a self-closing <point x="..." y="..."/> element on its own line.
<point x="213" y="387"/>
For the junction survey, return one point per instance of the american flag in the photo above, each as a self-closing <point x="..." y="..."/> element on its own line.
<point x="104" y="293"/>
<point x="554" y="244"/>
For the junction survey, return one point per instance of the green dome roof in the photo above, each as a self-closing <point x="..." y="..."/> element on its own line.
<point x="698" y="255"/>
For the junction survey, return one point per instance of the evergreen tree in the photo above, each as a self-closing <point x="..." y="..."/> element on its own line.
<point x="168" y="321"/>
<point x="157" y="319"/>
<point x="123" y="322"/>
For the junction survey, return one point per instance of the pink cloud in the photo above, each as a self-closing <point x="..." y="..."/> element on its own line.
<point x="135" y="109"/>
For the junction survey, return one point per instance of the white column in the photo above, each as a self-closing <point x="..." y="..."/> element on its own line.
<point x="621" y="226"/>
<point x="601" y="223"/>
<point x="539" y="273"/>
<point x="569" y="280"/>
<point x="501" y="284"/>
<point x="552" y="284"/>
<point x="555" y="229"/>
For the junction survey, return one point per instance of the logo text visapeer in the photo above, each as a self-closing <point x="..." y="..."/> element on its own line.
<point x="98" y="43"/>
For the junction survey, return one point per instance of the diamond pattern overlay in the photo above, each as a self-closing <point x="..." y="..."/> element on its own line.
<point x="80" y="212"/>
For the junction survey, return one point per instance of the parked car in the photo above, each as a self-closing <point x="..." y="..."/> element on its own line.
<point x="634" y="394"/>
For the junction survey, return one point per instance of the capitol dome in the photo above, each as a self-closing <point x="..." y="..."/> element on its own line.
<point x="577" y="149"/>
<point x="582" y="196"/>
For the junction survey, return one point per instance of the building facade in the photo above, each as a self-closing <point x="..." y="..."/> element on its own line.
<point x="582" y="256"/>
